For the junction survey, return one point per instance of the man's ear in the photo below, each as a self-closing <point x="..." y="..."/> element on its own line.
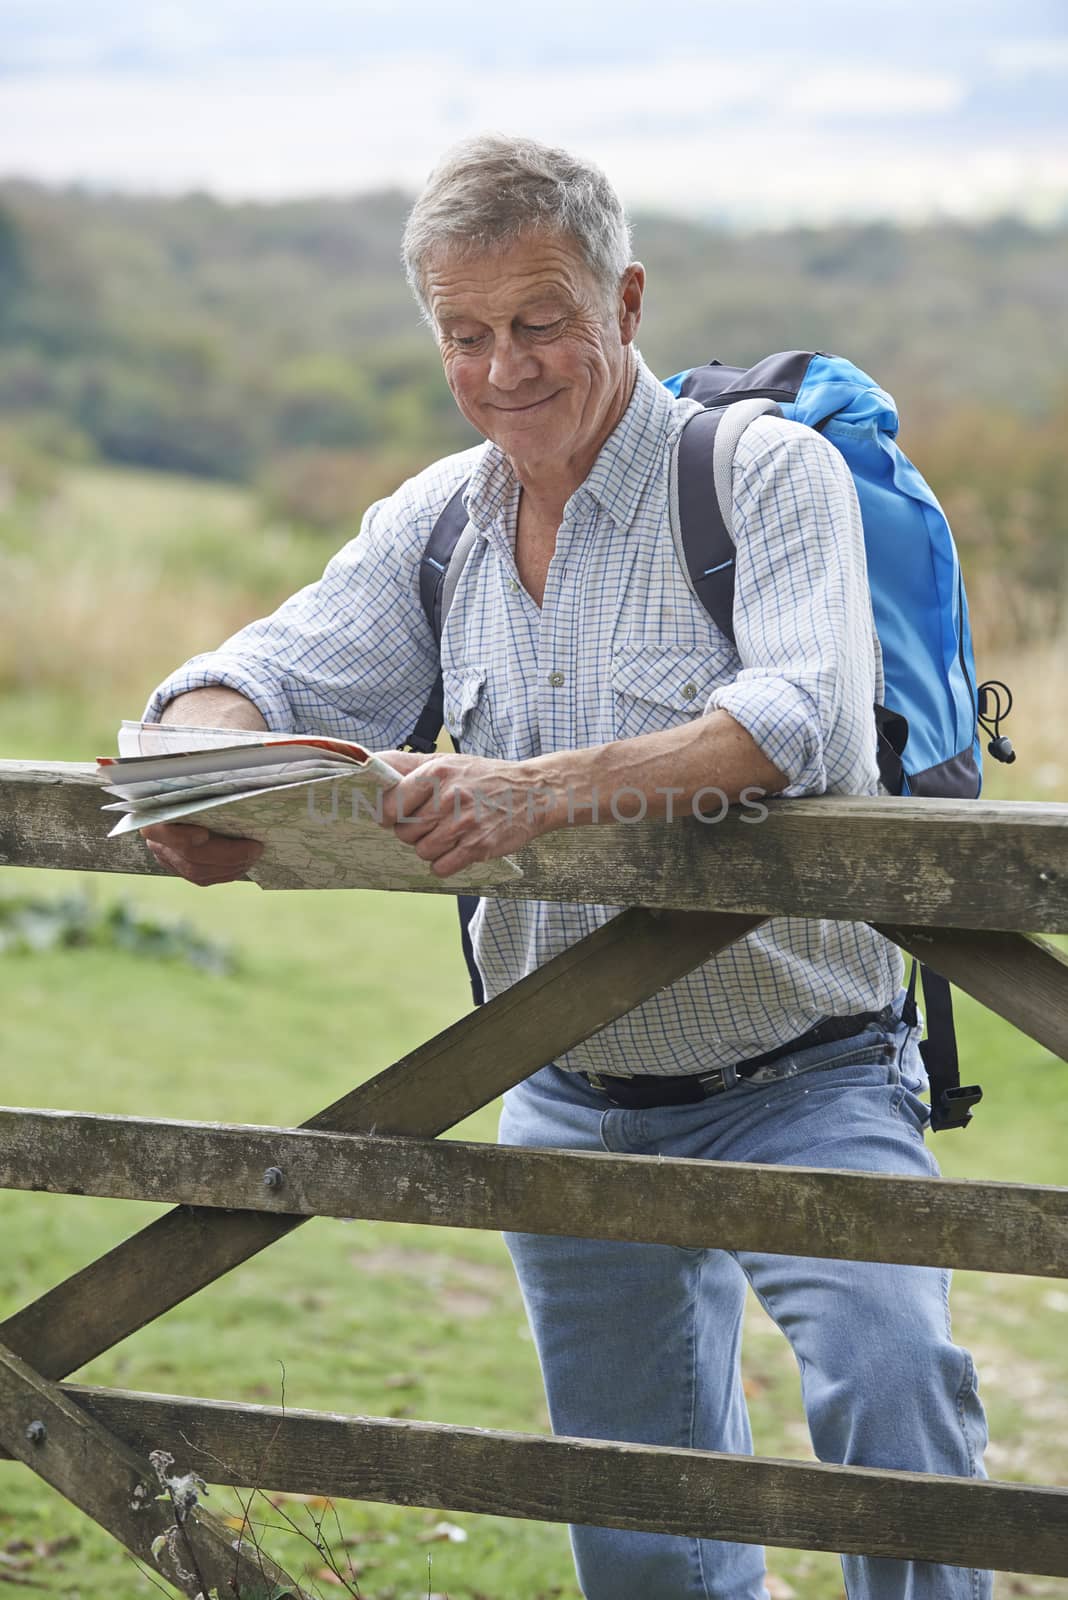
<point x="631" y="290"/>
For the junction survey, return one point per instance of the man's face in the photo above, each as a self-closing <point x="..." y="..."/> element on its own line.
<point x="534" y="356"/>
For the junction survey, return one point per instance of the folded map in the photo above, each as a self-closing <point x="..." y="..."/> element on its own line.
<point x="314" y="803"/>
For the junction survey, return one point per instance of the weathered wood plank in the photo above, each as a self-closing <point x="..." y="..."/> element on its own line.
<point x="695" y="1493"/>
<point x="973" y="864"/>
<point x="1021" y="978"/>
<point x="991" y="1227"/>
<point x="50" y="816"/>
<point x="436" y="1086"/>
<point x="950" y="863"/>
<point x="77" y="1453"/>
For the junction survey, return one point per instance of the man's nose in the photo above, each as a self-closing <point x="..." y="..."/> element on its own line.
<point x="510" y="364"/>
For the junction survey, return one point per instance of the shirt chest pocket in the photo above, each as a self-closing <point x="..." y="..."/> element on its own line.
<point x="659" y="686"/>
<point x="467" y="711"/>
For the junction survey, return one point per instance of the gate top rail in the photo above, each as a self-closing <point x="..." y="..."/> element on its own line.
<point x="980" y="864"/>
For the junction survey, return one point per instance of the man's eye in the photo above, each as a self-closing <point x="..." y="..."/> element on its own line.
<point x="467" y="341"/>
<point x="543" y="327"/>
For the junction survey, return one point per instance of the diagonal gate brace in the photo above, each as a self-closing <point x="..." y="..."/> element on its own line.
<point x="121" y="1491"/>
<point x="1017" y="975"/>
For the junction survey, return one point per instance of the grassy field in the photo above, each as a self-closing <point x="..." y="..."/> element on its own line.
<point x="364" y="1317"/>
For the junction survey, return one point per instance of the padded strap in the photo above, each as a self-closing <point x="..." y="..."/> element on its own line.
<point x="439" y="574"/>
<point x="456" y="565"/>
<point x="701" y="503"/>
<point x="444" y="536"/>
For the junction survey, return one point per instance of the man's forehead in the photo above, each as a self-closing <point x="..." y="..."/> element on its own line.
<point x="531" y="269"/>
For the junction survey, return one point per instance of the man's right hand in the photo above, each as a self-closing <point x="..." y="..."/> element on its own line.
<point x="199" y="856"/>
<point x="190" y="852"/>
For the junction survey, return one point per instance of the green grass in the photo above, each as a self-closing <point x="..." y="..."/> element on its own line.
<point x="365" y="1317"/>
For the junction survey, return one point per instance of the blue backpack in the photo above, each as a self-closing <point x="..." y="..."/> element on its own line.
<point x="928" y="732"/>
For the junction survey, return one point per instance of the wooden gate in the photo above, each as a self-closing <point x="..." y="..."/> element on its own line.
<point x="964" y="885"/>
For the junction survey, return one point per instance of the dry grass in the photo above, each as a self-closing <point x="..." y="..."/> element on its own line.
<point x="120" y="576"/>
<point x="1037" y="677"/>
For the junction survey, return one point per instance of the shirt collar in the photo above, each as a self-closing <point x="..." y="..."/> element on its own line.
<point x="618" y="477"/>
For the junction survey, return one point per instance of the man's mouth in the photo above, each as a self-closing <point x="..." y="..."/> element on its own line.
<point x="533" y="406"/>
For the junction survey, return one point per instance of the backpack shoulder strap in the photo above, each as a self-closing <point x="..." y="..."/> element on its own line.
<point x="443" y="560"/>
<point x="437" y="554"/>
<point x="701" y="502"/>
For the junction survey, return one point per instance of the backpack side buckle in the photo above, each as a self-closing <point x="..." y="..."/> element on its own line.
<point x="953" y="1108"/>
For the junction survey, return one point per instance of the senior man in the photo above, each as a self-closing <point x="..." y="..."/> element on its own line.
<point x="576" y="662"/>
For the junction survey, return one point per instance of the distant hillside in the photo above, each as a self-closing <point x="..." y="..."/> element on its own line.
<point x="197" y="336"/>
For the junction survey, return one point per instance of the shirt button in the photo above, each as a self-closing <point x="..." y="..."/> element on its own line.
<point x="556" y="679"/>
<point x="513" y="585"/>
<point x="690" y="692"/>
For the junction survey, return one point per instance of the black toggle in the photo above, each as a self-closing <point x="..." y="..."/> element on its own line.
<point x="991" y="714"/>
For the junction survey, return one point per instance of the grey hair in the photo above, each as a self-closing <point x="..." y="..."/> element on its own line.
<point x="489" y="190"/>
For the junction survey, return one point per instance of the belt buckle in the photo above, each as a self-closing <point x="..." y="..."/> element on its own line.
<point x="714" y="1082"/>
<point x="594" y="1080"/>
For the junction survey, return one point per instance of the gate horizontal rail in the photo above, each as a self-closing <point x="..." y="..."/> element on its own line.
<point x="948" y="863"/>
<point x="799" y="1504"/>
<point x="991" y="1227"/>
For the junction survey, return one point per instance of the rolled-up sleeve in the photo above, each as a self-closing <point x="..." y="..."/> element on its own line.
<point x="351" y="655"/>
<point x="810" y="662"/>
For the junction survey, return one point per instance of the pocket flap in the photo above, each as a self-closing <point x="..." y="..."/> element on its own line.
<point x="665" y="675"/>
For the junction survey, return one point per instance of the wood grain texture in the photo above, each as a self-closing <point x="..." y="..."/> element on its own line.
<point x="1023" y="979"/>
<point x="694" y="1493"/>
<point x="117" y="1486"/>
<point x="992" y="1227"/>
<point x="50" y="816"/>
<point x="948" y="863"/>
<point x="436" y="1086"/>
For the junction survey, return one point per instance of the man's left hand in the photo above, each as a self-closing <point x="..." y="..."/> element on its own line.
<point x="458" y="809"/>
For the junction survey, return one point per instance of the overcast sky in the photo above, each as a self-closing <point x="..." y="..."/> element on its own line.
<point x="759" y="111"/>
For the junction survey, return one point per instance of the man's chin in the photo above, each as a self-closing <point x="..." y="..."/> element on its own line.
<point x="531" y="439"/>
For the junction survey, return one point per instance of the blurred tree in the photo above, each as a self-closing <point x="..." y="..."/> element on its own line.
<point x="321" y="400"/>
<point x="278" y="343"/>
<point x="12" y="266"/>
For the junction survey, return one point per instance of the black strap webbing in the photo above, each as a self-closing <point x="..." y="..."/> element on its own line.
<point x="951" y="1104"/>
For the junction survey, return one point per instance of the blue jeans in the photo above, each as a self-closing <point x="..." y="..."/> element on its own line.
<point x="642" y="1342"/>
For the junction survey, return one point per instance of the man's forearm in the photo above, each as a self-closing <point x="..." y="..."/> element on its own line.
<point x="457" y="809"/>
<point x="214" y="707"/>
<point x="706" y="759"/>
